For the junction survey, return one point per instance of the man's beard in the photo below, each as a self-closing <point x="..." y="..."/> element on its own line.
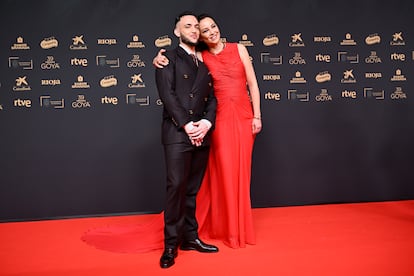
<point x="185" y="40"/>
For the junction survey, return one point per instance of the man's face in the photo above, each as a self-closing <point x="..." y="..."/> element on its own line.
<point x="187" y="29"/>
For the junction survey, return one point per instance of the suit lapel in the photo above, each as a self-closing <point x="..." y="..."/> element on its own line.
<point x="199" y="71"/>
<point x="202" y="71"/>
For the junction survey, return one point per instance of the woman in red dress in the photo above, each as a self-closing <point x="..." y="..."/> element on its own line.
<point x="224" y="208"/>
<point x="223" y="202"/>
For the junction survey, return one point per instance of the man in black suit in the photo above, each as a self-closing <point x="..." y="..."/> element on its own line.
<point x="186" y="90"/>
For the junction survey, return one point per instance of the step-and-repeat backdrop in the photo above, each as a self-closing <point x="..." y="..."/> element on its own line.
<point x="80" y="115"/>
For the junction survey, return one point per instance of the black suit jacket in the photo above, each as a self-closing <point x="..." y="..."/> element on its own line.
<point x="186" y="92"/>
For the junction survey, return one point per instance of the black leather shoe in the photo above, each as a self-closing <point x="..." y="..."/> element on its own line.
<point x="199" y="246"/>
<point x="167" y="258"/>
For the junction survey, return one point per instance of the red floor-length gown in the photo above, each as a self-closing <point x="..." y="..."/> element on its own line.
<point x="229" y="216"/>
<point x="223" y="202"/>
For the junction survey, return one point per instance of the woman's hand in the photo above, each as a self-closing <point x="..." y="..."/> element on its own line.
<point x="256" y="125"/>
<point x="160" y="60"/>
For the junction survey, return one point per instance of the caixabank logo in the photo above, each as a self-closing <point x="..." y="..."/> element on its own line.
<point x="22" y="84"/>
<point x="397" y="39"/>
<point x="348" y="76"/>
<point x="296" y="40"/>
<point x="78" y="43"/>
<point x="136" y="81"/>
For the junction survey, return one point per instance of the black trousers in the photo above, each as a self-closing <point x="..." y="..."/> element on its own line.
<point x="186" y="165"/>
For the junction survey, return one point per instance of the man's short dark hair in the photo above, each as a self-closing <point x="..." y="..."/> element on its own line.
<point x="178" y="18"/>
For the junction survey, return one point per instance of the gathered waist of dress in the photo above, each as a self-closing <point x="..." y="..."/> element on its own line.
<point x="231" y="91"/>
<point x="239" y="99"/>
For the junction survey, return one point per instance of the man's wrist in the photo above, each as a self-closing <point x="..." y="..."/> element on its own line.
<point x="189" y="126"/>
<point x="207" y="122"/>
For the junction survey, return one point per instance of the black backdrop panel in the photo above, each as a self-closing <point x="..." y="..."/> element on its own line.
<point x="80" y="116"/>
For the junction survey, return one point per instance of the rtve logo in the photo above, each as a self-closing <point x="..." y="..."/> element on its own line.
<point x="398" y="57"/>
<point x="109" y="100"/>
<point x="272" y="96"/>
<point x="349" y="94"/>
<point x="22" y="103"/>
<point x="79" y="62"/>
<point x="323" y="58"/>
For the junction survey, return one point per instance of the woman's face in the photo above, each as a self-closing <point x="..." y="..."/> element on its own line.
<point x="209" y="31"/>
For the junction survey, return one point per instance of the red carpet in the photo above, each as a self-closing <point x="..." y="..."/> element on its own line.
<point x="339" y="239"/>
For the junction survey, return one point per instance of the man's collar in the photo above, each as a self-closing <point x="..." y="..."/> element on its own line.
<point x="187" y="49"/>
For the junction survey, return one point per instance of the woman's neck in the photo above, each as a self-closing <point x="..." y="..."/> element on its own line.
<point x="218" y="48"/>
